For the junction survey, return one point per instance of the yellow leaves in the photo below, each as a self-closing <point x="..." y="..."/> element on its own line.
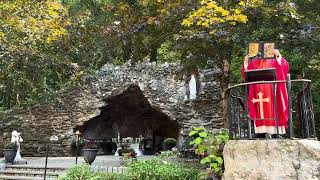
<point x="55" y="34"/>
<point x="225" y="13"/>
<point x="45" y="19"/>
<point x="123" y="6"/>
<point x="53" y="5"/>
<point x="210" y="13"/>
<point x="241" y="3"/>
<point x="163" y="12"/>
<point x="187" y="22"/>
<point x="144" y="2"/>
<point x="205" y="23"/>
<point x="242" y="18"/>
<point x="2" y="36"/>
<point x="211" y="5"/>
<point x="254" y="3"/>
<point x="237" y="11"/>
<point x="151" y="20"/>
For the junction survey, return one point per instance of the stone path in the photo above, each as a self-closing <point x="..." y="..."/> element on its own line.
<point x="67" y="162"/>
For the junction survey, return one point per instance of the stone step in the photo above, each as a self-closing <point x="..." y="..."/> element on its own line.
<point x="3" y="177"/>
<point x="25" y="172"/>
<point x="34" y="168"/>
<point x="29" y="173"/>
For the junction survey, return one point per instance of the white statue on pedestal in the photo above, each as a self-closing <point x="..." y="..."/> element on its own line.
<point x="16" y="138"/>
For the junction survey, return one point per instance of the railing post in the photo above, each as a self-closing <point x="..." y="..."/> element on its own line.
<point x="275" y="105"/>
<point x="248" y="110"/>
<point x="77" y="148"/>
<point x="291" y="133"/>
<point x="229" y="106"/>
<point x="311" y="111"/>
<point x="305" y="111"/>
<point x="52" y="139"/>
<point x="77" y="144"/>
<point x="46" y="163"/>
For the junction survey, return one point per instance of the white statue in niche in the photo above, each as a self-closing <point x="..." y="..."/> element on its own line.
<point x="16" y="138"/>
<point x="193" y="87"/>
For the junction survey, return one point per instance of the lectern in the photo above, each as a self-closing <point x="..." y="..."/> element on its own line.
<point x="268" y="74"/>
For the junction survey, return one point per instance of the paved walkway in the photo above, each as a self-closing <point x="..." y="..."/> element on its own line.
<point x="67" y="162"/>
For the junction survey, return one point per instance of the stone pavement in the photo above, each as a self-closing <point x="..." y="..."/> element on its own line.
<point x="67" y="162"/>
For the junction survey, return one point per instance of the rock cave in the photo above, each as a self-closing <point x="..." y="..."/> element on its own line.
<point x="142" y="99"/>
<point x="129" y="114"/>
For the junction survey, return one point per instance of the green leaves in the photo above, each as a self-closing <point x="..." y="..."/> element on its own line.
<point x="199" y="129"/>
<point x="191" y="133"/>
<point x="203" y="134"/>
<point x="197" y="141"/>
<point x="31" y="68"/>
<point x="209" y="146"/>
<point x="158" y="169"/>
<point x="205" y="160"/>
<point x="219" y="160"/>
<point x="198" y="133"/>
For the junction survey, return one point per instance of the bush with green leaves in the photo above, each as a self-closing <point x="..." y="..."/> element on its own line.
<point x="137" y="170"/>
<point x="209" y="146"/>
<point x="159" y="169"/>
<point x="85" y="172"/>
<point x="167" y="154"/>
<point x="169" y="143"/>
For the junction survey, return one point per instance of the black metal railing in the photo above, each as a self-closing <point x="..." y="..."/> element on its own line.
<point x="300" y="122"/>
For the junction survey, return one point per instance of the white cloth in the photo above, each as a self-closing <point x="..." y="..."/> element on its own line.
<point x="270" y="129"/>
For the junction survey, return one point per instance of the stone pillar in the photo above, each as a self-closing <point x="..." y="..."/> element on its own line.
<point x="272" y="159"/>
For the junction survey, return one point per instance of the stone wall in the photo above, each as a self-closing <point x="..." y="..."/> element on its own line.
<point x="160" y="83"/>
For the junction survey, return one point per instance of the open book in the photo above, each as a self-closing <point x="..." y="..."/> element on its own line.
<point x="262" y="49"/>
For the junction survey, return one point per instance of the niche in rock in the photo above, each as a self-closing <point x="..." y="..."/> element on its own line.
<point x="129" y="114"/>
<point x="192" y="86"/>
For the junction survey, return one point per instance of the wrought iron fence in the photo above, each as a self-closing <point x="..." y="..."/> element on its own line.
<point x="300" y="122"/>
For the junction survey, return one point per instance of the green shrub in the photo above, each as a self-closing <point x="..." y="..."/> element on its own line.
<point x="158" y="169"/>
<point x="78" y="172"/>
<point x="167" y="154"/>
<point x="85" y="172"/>
<point x="209" y="146"/>
<point x="138" y="170"/>
<point x="169" y="143"/>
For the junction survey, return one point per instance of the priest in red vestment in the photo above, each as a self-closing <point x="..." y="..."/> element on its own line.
<point x="261" y="96"/>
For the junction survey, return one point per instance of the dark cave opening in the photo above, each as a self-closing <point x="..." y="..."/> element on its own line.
<point x="129" y="114"/>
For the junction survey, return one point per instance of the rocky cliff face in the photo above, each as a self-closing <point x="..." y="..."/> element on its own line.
<point x="272" y="159"/>
<point x="158" y="82"/>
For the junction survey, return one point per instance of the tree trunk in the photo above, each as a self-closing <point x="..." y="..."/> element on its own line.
<point x="126" y="49"/>
<point x="224" y="84"/>
<point x="153" y="55"/>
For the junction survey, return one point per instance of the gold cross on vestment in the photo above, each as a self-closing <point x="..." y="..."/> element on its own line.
<point x="261" y="101"/>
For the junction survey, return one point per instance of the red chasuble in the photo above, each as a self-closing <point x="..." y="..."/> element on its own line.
<point x="261" y="97"/>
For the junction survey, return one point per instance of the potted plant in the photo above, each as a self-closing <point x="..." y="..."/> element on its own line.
<point x="128" y="157"/>
<point x="169" y="143"/>
<point x="90" y="150"/>
<point x="9" y="152"/>
<point x="125" y="148"/>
